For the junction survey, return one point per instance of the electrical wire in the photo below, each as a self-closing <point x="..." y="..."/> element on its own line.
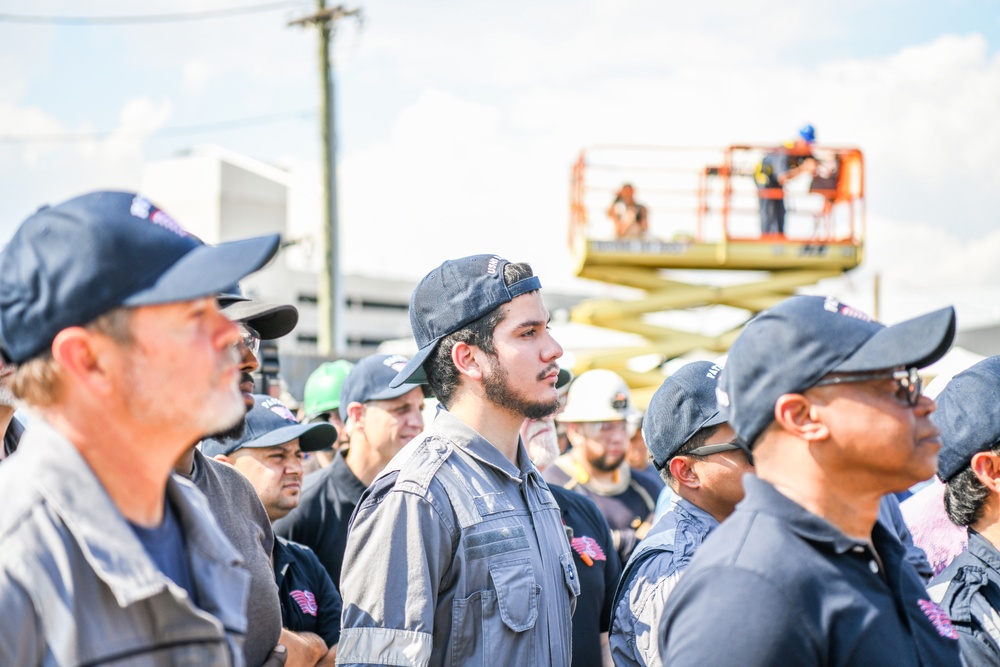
<point x="180" y="130"/>
<point x="138" y="19"/>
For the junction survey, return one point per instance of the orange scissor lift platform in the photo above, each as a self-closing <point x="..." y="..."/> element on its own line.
<point x="703" y="216"/>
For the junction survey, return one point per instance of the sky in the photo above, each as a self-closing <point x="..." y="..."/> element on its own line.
<point x="458" y="121"/>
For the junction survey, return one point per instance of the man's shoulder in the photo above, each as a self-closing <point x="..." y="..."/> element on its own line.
<point x="297" y="553"/>
<point x="967" y="576"/>
<point x="577" y="505"/>
<point x="750" y="541"/>
<point x="651" y="483"/>
<point x="415" y="468"/>
<point x="219" y="477"/>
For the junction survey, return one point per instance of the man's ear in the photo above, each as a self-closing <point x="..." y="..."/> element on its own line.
<point x="799" y="416"/>
<point x="356" y="414"/>
<point x="468" y="361"/>
<point x="222" y="458"/>
<point x="681" y="470"/>
<point x="986" y="466"/>
<point x="83" y="355"/>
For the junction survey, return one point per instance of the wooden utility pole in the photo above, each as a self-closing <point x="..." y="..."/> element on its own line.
<point x="329" y="297"/>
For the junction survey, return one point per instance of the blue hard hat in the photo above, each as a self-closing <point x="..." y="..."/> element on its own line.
<point x="808" y="133"/>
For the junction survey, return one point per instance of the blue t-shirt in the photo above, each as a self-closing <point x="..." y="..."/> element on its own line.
<point x="165" y="545"/>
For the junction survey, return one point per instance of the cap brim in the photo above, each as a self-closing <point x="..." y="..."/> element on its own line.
<point x="714" y="420"/>
<point x="207" y="270"/>
<point x="914" y="343"/>
<point x="413" y="372"/>
<point x="396" y="392"/>
<point x="319" y="435"/>
<point x="270" y="320"/>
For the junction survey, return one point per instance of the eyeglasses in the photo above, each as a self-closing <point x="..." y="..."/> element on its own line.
<point x="706" y="450"/>
<point x="909" y="384"/>
<point x="249" y="340"/>
<point x="593" y="429"/>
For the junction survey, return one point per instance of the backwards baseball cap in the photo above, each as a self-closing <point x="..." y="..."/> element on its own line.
<point x="455" y="294"/>
<point x="370" y="380"/>
<point x="598" y="395"/>
<point x="683" y="405"/>
<point x="787" y="349"/>
<point x="269" y="424"/>
<point x="968" y="417"/>
<point x="270" y="320"/>
<point x="68" y="264"/>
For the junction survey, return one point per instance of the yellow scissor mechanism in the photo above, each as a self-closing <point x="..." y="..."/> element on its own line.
<point x="822" y="242"/>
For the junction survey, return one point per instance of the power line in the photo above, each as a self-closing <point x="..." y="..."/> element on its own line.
<point x="179" y="130"/>
<point x="138" y="19"/>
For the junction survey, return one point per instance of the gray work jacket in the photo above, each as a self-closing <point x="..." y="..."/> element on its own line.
<point x="77" y="587"/>
<point x="457" y="557"/>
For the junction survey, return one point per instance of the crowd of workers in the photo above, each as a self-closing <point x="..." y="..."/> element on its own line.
<point x="158" y="512"/>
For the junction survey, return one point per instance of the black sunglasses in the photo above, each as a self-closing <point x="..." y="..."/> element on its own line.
<point x="909" y="384"/>
<point x="705" y="450"/>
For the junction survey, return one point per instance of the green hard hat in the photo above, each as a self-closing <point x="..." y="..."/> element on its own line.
<point x="322" y="393"/>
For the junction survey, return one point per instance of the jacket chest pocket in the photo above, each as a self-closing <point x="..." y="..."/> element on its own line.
<point x="493" y="626"/>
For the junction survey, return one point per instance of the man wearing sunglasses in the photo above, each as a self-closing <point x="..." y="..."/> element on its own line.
<point x="598" y="419"/>
<point x="830" y="404"/>
<point x="693" y="448"/>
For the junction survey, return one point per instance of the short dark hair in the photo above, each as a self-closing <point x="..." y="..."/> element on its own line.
<point x="442" y="376"/>
<point x="694" y="442"/>
<point x="965" y="495"/>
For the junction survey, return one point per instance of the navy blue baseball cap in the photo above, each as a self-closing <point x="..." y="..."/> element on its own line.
<point x="370" y="380"/>
<point x="787" y="349"/>
<point x="269" y="424"/>
<point x="968" y="417"/>
<point x="455" y="294"/>
<point x="683" y="405"/>
<point x="68" y="264"/>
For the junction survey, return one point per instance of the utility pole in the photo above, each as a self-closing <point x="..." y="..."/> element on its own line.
<point x="329" y="301"/>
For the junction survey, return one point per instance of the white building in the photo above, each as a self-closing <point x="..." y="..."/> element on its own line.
<point x="221" y="196"/>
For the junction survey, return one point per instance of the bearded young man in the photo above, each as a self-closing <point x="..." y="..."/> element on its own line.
<point x="456" y="553"/>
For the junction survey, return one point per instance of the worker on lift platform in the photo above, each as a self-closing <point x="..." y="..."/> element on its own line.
<point x="774" y="171"/>
<point x="631" y="219"/>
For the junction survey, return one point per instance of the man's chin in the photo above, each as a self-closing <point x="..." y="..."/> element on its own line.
<point x="232" y="433"/>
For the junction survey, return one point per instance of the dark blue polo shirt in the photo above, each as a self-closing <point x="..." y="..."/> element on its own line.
<point x="309" y="601"/>
<point x="598" y="567"/>
<point x="778" y="585"/>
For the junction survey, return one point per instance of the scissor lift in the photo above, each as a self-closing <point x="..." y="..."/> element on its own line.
<point x="720" y="203"/>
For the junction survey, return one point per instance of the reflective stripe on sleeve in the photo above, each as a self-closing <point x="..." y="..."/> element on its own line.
<point x="382" y="646"/>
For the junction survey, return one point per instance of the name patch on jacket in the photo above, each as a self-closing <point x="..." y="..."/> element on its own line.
<point x="498" y="541"/>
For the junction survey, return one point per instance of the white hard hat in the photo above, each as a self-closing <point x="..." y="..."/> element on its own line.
<point x="598" y="396"/>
